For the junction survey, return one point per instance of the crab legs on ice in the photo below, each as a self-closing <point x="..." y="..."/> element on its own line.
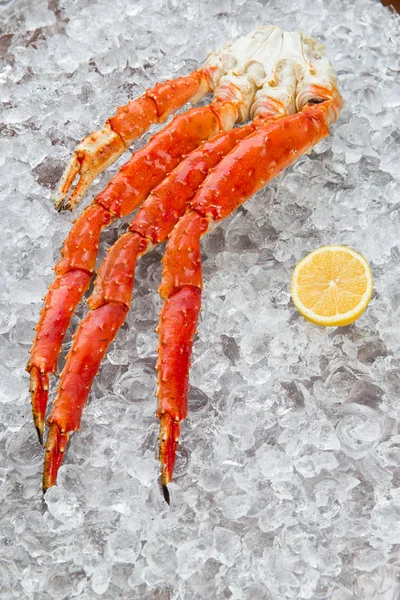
<point x="193" y="173"/>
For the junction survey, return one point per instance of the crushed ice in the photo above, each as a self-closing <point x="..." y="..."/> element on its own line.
<point x="287" y="481"/>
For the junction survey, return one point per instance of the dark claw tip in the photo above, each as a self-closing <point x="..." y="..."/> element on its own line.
<point x="40" y="435"/>
<point x="166" y="494"/>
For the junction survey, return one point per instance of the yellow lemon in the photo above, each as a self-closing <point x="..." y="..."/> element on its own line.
<point x="332" y="286"/>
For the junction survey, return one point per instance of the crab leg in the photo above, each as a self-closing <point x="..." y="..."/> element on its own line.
<point x="124" y="193"/>
<point x="255" y="161"/>
<point x="101" y="148"/>
<point x="114" y="285"/>
<point x="181" y="288"/>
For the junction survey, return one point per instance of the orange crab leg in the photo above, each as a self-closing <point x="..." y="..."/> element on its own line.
<point x="114" y="284"/>
<point x="255" y="161"/>
<point x="111" y="297"/>
<point x="181" y="288"/>
<point x="124" y="193"/>
<point x="100" y="149"/>
<point x="157" y="104"/>
<point x="61" y="301"/>
<point x="178" y="322"/>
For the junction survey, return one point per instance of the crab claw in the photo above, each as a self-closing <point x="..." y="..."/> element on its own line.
<point x="95" y="153"/>
<point x="55" y="447"/>
<point x="169" y="439"/>
<point x="39" y="392"/>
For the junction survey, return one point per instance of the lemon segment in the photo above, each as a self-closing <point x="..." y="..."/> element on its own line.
<point x="332" y="286"/>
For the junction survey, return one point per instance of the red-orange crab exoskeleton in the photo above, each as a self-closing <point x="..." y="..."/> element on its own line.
<point x="191" y="174"/>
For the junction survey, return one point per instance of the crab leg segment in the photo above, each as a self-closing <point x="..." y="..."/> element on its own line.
<point x="54" y="455"/>
<point x="61" y="301"/>
<point x="178" y="322"/>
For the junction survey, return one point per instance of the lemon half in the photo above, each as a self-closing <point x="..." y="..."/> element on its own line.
<point x="332" y="286"/>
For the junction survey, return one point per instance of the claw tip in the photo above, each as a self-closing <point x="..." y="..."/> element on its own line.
<point x="39" y="432"/>
<point x="165" y="492"/>
<point x="58" y="204"/>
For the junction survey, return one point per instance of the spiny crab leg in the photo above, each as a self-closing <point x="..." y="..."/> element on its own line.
<point x="102" y="148"/>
